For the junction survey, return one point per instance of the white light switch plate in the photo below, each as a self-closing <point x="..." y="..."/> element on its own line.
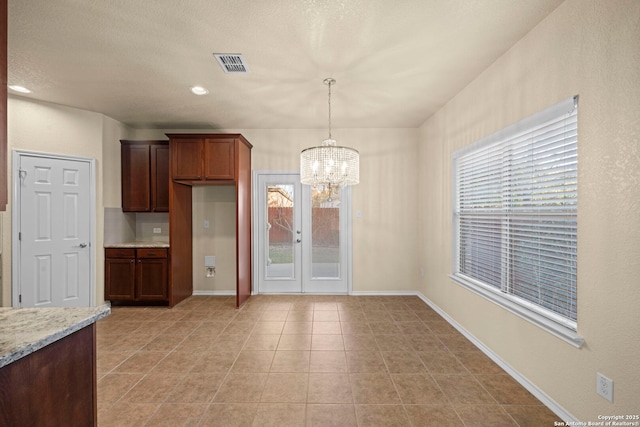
<point x="157" y="230"/>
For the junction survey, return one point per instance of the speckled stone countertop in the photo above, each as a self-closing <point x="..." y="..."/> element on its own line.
<point x="26" y="330"/>
<point x="146" y="244"/>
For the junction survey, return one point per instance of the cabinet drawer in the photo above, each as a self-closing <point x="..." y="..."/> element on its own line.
<point x="120" y="253"/>
<point x="152" y="253"/>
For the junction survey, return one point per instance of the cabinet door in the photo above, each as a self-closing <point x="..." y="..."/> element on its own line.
<point x="120" y="276"/>
<point x="3" y="105"/>
<point x="219" y="158"/>
<point x="152" y="279"/>
<point x="136" y="186"/>
<point x="186" y="158"/>
<point x="160" y="177"/>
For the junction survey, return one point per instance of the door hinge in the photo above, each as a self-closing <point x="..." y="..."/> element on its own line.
<point x="19" y="235"/>
<point x="20" y="299"/>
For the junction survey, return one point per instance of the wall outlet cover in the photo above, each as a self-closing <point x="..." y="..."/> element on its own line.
<point x="604" y="387"/>
<point x="157" y="230"/>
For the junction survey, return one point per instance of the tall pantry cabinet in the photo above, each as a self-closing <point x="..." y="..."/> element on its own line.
<point x="207" y="159"/>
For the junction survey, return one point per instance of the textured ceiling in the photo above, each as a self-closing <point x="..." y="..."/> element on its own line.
<point x="396" y="62"/>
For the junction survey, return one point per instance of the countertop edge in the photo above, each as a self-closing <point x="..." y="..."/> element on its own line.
<point x="29" y="348"/>
<point x="133" y="245"/>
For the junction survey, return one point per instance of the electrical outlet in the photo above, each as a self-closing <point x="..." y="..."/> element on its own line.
<point x="604" y="387"/>
<point x="157" y="230"/>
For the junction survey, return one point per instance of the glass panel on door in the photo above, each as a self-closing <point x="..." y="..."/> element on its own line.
<point x="281" y="234"/>
<point x="278" y="232"/>
<point x="325" y="232"/>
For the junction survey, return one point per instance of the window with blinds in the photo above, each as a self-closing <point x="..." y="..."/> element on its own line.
<point x="515" y="215"/>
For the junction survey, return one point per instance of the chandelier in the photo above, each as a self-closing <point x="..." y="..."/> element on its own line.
<point x="329" y="164"/>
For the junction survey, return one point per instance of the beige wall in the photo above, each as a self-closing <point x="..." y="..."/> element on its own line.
<point x="216" y="204"/>
<point x="590" y="48"/>
<point x="385" y="239"/>
<point x="55" y="129"/>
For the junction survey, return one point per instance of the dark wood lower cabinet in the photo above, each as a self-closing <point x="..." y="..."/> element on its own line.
<point x="54" y="386"/>
<point x="152" y="278"/>
<point x="120" y="276"/>
<point x="136" y="275"/>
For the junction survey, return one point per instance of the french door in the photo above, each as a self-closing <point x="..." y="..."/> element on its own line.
<point x="302" y="236"/>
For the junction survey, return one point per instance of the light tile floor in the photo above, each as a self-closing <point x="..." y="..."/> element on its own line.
<point x="300" y="360"/>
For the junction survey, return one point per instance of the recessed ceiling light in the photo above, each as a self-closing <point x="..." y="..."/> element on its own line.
<point x="20" y="89"/>
<point x="199" y="90"/>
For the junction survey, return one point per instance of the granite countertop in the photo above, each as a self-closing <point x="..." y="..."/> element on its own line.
<point x="26" y="330"/>
<point x="146" y="244"/>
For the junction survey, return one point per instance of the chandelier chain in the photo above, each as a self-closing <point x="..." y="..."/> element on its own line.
<point x="329" y="84"/>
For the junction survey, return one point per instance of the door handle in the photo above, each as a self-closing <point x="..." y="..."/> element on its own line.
<point x="82" y="245"/>
<point x="298" y="240"/>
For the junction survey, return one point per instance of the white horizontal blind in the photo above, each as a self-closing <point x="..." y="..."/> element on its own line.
<point x="515" y="212"/>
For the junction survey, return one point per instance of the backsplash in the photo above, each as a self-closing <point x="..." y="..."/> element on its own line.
<point x="147" y="222"/>
<point x="118" y="226"/>
<point x="121" y="227"/>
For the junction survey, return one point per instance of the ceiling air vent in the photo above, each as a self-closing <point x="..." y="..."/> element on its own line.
<point x="232" y="63"/>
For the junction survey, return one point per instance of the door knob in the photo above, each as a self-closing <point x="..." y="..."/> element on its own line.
<point x="298" y="240"/>
<point x="82" y="245"/>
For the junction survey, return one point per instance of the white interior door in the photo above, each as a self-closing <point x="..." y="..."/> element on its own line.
<point x="301" y="236"/>
<point x="54" y="224"/>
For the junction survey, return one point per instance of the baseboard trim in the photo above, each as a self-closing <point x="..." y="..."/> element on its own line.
<point x="562" y="413"/>
<point x="215" y="293"/>
<point x="382" y="293"/>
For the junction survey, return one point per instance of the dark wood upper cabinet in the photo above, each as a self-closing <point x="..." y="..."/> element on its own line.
<point x="3" y="105"/>
<point x="219" y="158"/>
<point x="201" y="158"/>
<point x="136" y="177"/>
<point x="160" y="177"/>
<point x="145" y="176"/>
<point x="187" y="159"/>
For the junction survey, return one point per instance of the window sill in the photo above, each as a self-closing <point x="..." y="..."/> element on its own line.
<point x="568" y="335"/>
